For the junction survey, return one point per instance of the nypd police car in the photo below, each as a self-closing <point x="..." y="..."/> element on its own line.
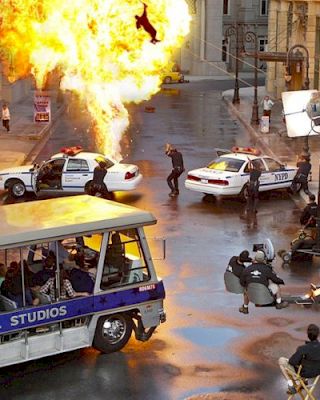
<point x="70" y="171"/>
<point x="228" y="174"/>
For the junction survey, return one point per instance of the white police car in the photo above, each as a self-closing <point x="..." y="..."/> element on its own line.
<point x="228" y="174"/>
<point x="70" y="171"/>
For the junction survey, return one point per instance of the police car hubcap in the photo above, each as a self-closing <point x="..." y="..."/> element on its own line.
<point x="18" y="189"/>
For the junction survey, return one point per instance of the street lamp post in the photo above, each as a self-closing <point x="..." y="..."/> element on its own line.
<point x="305" y="86"/>
<point x="251" y="37"/>
<point x="233" y="30"/>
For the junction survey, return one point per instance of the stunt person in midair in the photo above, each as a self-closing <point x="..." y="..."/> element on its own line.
<point x="143" y="21"/>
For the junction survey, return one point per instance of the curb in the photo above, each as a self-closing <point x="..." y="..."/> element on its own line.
<point x="44" y="136"/>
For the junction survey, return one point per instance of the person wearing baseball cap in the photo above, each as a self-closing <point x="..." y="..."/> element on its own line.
<point x="261" y="272"/>
<point x="237" y="263"/>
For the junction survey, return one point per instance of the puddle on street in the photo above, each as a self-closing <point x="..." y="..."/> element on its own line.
<point x="211" y="337"/>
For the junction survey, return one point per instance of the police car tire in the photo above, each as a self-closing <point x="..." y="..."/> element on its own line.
<point x="167" y="79"/>
<point x="286" y="257"/>
<point x="123" y="329"/>
<point x="285" y="265"/>
<point x="88" y="187"/>
<point x="16" y="188"/>
<point x="244" y="193"/>
<point x="209" y="198"/>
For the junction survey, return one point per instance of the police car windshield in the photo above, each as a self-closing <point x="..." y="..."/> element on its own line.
<point x="226" y="164"/>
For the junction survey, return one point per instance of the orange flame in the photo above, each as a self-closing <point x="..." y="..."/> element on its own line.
<point x="98" y="49"/>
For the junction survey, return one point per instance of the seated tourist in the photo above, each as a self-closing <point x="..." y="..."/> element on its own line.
<point x="115" y="256"/>
<point x="66" y="289"/>
<point x="81" y="279"/>
<point x="3" y="271"/>
<point x="48" y="271"/>
<point x="12" y="286"/>
<point x="62" y="251"/>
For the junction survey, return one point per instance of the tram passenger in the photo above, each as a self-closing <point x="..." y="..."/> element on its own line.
<point x="48" y="271"/>
<point x="81" y="280"/>
<point x="62" y="252"/>
<point x="66" y="289"/>
<point x="3" y="271"/>
<point x="115" y="256"/>
<point x="12" y="286"/>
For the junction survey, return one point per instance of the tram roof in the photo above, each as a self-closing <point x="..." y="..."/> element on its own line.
<point x="24" y="223"/>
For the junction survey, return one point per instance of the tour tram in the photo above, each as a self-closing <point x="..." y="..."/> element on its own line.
<point x="103" y="238"/>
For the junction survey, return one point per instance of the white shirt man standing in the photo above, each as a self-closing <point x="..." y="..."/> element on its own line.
<point x="267" y="106"/>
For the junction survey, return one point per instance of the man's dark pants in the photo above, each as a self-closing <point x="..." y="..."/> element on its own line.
<point x="5" y="123"/>
<point x="303" y="180"/>
<point x="173" y="176"/>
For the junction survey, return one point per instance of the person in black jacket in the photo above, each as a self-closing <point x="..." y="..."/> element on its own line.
<point x="12" y="286"/>
<point x="177" y="169"/>
<point x="304" y="168"/>
<point x="307" y="355"/>
<point x="81" y="280"/>
<point x="236" y="263"/>
<point x="253" y="194"/>
<point x="309" y="213"/>
<point x="99" y="174"/>
<point x="260" y="272"/>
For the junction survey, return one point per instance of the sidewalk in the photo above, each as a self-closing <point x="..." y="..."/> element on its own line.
<point x="276" y="143"/>
<point x="228" y="76"/>
<point x="26" y="138"/>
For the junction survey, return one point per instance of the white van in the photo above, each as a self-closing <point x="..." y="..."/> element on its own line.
<point x="105" y="241"/>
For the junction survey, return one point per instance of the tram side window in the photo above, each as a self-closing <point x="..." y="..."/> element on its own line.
<point x="75" y="267"/>
<point x="124" y="262"/>
<point x="16" y="284"/>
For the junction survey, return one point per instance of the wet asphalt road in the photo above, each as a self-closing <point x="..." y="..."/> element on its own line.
<point x="206" y="347"/>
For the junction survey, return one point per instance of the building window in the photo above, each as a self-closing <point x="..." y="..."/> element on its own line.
<point x="224" y="50"/>
<point x="263" y="7"/>
<point x="263" y="43"/>
<point x="225" y="7"/>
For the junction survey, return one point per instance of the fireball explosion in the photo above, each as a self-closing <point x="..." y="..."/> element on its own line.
<point x="98" y="50"/>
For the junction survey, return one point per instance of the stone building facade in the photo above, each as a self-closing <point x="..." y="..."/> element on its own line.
<point x="250" y="15"/>
<point x="206" y="50"/>
<point x="294" y="42"/>
<point x="201" y="53"/>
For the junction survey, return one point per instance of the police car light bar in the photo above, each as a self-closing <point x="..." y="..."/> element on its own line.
<point x="246" y="150"/>
<point x="71" y="151"/>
